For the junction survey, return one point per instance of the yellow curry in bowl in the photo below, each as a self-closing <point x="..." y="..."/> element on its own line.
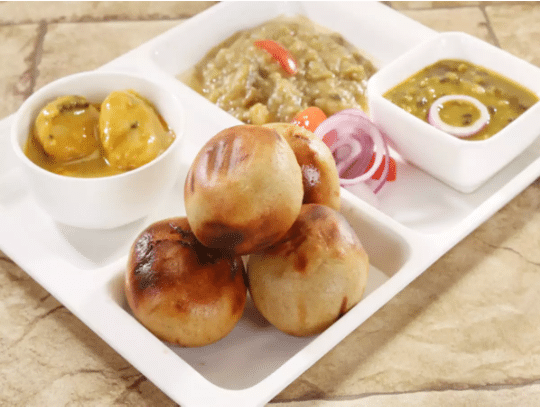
<point x="478" y="89"/>
<point x="74" y="137"/>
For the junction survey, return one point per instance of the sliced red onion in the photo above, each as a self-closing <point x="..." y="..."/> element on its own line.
<point x="435" y="120"/>
<point x="354" y="140"/>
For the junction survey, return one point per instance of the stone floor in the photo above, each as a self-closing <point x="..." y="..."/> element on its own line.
<point x="465" y="333"/>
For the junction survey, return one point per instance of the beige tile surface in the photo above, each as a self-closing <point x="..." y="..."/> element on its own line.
<point x="465" y="333"/>
<point x="470" y="20"/>
<point x="18" y="44"/>
<point x="523" y="396"/>
<point x="73" y="47"/>
<point x="82" y="11"/>
<point x="517" y="29"/>
<point x="441" y="5"/>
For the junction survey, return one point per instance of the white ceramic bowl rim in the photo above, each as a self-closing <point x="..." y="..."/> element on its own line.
<point x="39" y="94"/>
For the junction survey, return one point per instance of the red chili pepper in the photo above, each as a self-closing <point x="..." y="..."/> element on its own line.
<point x="391" y="176"/>
<point x="280" y="54"/>
<point x="309" y="118"/>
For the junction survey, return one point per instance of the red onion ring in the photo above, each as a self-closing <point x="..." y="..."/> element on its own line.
<point x="435" y="119"/>
<point x="357" y="138"/>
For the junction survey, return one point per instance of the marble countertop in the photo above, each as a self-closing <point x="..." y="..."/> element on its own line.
<point x="465" y="333"/>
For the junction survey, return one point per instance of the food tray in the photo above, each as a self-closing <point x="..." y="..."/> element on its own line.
<point x="417" y="220"/>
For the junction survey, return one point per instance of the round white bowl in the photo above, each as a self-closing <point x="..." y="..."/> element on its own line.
<point x="104" y="202"/>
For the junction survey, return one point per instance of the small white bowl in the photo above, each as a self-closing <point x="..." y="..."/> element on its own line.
<point x="463" y="164"/>
<point x="104" y="202"/>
